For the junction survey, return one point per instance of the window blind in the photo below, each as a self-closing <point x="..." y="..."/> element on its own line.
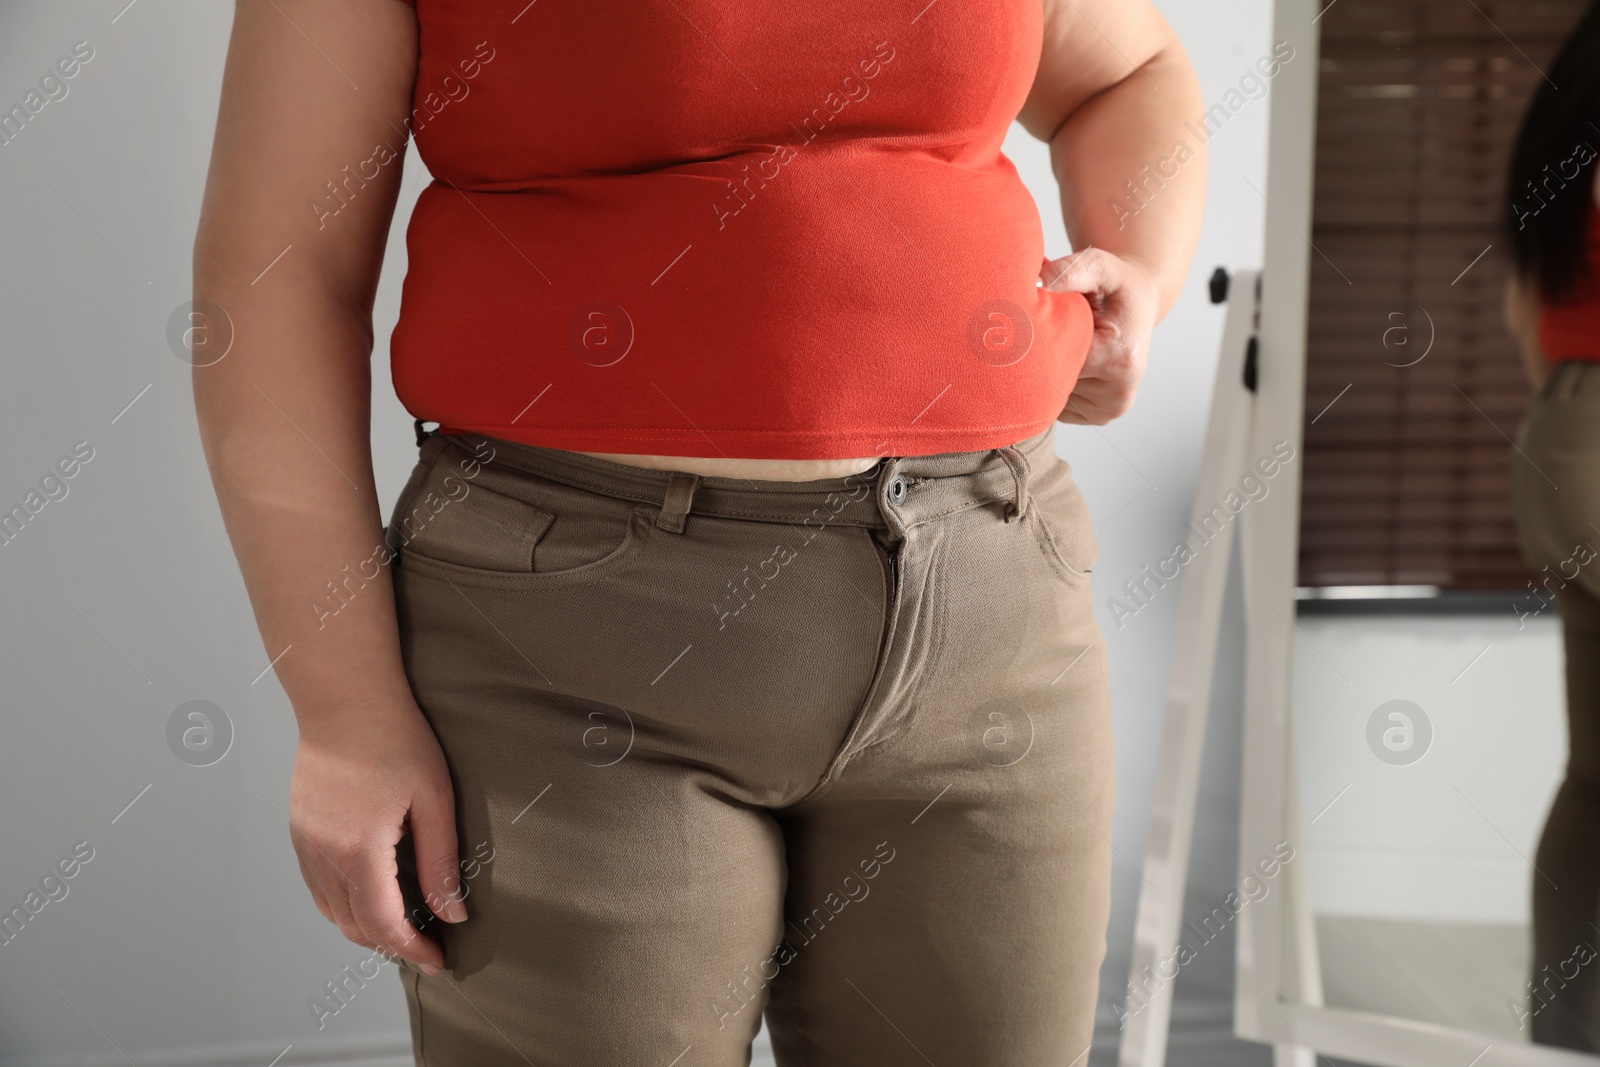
<point x="1413" y="387"/>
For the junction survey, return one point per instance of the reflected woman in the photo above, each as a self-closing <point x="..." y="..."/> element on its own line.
<point x="1552" y="304"/>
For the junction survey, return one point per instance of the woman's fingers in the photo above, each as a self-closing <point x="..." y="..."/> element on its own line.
<point x="380" y="910"/>
<point x="1093" y="403"/>
<point x="356" y="886"/>
<point x="1104" y="391"/>
<point x="433" y="835"/>
<point x="361" y="776"/>
<point x="1084" y="271"/>
<point x="327" y="880"/>
<point x="1122" y="297"/>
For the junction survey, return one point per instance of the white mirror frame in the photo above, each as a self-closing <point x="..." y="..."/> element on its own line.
<point x="1277" y="995"/>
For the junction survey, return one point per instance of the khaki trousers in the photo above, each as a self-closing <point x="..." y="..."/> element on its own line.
<point x="837" y="752"/>
<point x="1555" y="482"/>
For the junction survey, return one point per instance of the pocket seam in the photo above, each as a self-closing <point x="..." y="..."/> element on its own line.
<point x="640" y="523"/>
<point x="1051" y="549"/>
<point x="526" y="527"/>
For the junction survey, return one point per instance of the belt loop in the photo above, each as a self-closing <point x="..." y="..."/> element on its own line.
<point x="432" y="444"/>
<point x="675" y="508"/>
<point x="423" y="435"/>
<point x="1018" y="505"/>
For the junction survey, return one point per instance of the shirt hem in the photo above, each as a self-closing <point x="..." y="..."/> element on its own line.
<point x="762" y="444"/>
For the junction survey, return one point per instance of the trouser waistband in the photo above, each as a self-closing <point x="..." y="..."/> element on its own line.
<point x="897" y="493"/>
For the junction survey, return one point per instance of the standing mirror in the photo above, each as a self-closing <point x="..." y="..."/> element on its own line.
<point x="1406" y="725"/>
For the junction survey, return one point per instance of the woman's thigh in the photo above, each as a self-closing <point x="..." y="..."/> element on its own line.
<point x="949" y="888"/>
<point x="616" y="736"/>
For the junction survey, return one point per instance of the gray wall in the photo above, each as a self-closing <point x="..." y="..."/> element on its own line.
<point x="188" y="937"/>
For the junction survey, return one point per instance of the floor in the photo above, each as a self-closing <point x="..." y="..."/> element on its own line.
<point x="1451" y="973"/>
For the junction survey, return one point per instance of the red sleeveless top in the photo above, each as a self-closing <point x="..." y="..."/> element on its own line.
<point x="750" y="230"/>
<point x="1571" y="329"/>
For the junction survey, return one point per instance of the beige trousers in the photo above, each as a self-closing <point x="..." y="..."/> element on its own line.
<point x="836" y="752"/>
<point x="1555" y="481"/>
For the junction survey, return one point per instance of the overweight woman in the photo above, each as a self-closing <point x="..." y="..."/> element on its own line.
<point x="731" y="651"/>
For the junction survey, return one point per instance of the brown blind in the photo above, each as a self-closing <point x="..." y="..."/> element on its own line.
<point x="1406" y="474"/>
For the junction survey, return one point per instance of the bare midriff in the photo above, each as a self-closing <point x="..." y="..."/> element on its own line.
<point x="773" y="470"/>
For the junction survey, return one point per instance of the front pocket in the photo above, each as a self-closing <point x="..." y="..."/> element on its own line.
<point x="1051" y="548"/>
<point x="477" y="527"/>
<point x="640" y="526"/>
<point x="500" y="523"/>
<point x="1060" y="518"/>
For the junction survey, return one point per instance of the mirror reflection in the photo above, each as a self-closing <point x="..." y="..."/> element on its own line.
<point x="1446" y="669"/>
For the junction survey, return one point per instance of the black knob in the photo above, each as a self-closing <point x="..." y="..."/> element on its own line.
<point x="1219" y="286"/>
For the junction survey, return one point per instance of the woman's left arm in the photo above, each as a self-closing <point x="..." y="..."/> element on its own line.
<point x="1116" y="98"/>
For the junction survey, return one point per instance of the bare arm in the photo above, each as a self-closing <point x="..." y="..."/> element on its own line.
<point x="310" y="89"/>
<point x="1112" y="95"/>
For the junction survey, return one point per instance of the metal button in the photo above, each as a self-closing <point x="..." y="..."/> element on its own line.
<point x="897" y="490"/>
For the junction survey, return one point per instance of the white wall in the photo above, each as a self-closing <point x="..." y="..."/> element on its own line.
<point x="188" y="938"/>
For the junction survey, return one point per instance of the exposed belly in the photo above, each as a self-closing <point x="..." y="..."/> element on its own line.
<point x="774" y="470"/>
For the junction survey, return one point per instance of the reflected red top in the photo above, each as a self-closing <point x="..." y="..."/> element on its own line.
<point x="1571" y="329"/>
<point x="711" y="229"/>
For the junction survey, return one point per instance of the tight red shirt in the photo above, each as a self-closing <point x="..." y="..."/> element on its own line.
<point x="779" y="231"/>
<point x="1571" y="329"/>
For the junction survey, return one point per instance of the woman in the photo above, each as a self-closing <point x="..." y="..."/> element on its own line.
<point x="1553" y="306"/>
<point x="732" y="649"/>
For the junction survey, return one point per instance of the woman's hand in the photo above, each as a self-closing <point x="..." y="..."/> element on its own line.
<point x="362" y="777"/>
<point x="1124" y="297"/>
<point x="1113" y="96"/>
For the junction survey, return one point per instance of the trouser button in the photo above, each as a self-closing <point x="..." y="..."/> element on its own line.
<point x="897" y="490"/>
